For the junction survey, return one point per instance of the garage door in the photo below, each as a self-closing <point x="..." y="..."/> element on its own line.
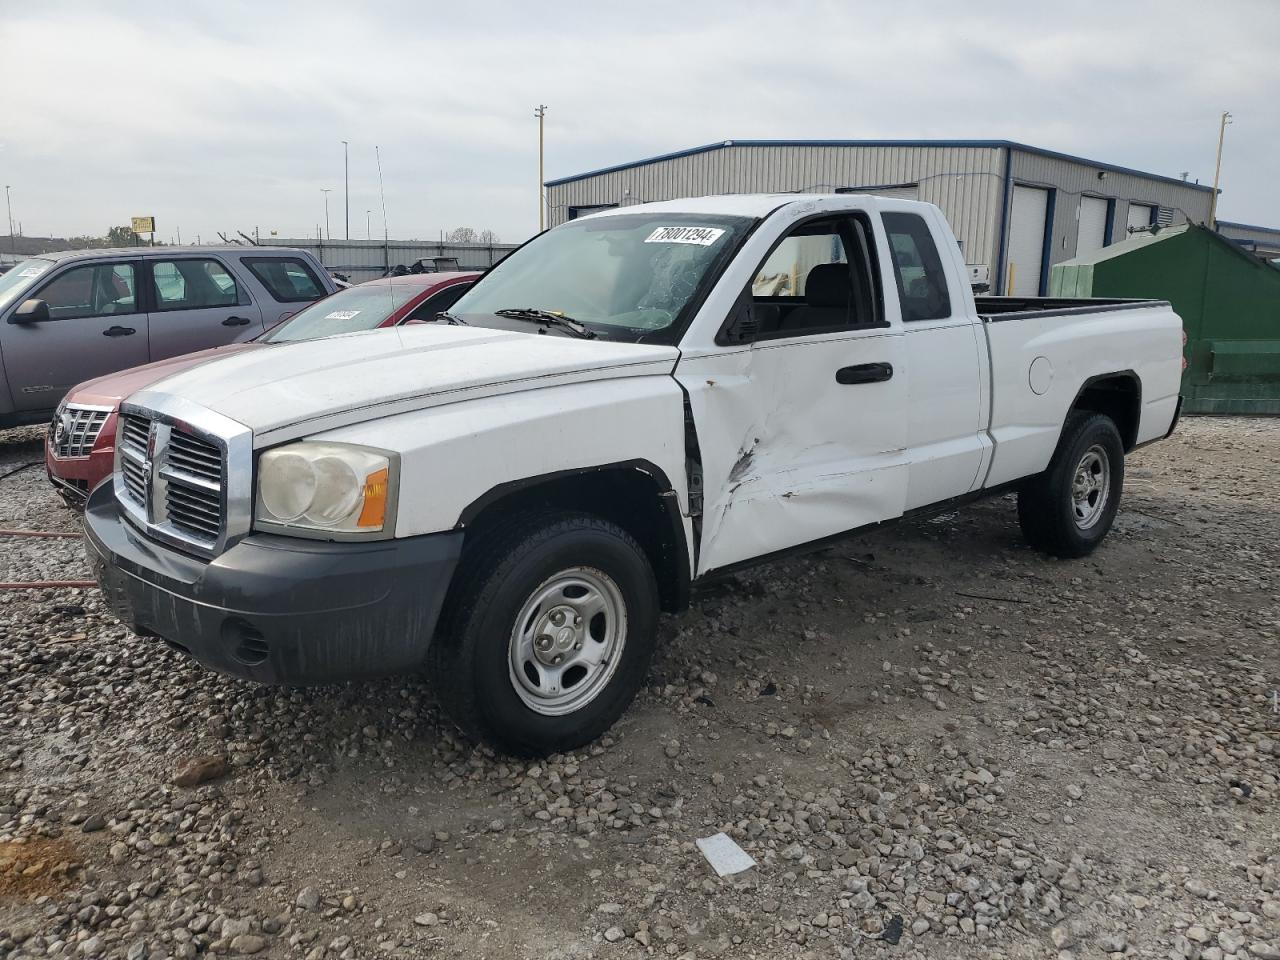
<point x="1092" y="234"/>
<point x="1026" y="240"/>
<point x="1140" y="215"/>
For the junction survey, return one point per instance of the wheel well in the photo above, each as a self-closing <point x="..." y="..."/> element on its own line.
<point x="1119" y="396"/>
<point x="637" y="500"/>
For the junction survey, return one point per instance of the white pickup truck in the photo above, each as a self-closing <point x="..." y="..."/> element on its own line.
<point x="629" y="404"/>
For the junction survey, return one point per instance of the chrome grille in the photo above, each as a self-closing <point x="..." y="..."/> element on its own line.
<point x="134" y="436"/>
<point x="75" y="429"/>
<point x="193" y="477"/>
<point x="184" y="473"/>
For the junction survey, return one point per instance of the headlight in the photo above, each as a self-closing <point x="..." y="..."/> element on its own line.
<point x="321" y="488"/>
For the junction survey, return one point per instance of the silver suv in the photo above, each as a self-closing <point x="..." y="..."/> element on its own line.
<point x="69" y="317"/>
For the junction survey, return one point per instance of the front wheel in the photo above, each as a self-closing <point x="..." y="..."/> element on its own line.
<point x="1067" y="510"/>
<point x="549" y="635"/>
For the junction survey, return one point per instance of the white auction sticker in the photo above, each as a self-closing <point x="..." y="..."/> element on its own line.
<point x="702" y="236"/>
<point x="342" y="315"/>
<point x="31" y="272"/>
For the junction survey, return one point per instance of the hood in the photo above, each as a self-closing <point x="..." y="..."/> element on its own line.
<point x="114" y="387"/>
<point x="285" y="390"/>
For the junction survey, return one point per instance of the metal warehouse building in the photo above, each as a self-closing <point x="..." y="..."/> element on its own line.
<point x="1263" y="242"/>
<point x="1016" y="210"/>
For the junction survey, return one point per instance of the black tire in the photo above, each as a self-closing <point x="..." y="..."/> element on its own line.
<point x="1051" y="518"/>
<point x="499" y="574"/>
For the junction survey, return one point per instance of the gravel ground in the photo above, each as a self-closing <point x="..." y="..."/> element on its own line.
<point x="934" y="742"/>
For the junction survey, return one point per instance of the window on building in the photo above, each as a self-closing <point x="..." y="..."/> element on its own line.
<point x="922" y="281"/>
<point x="93" y="290"/>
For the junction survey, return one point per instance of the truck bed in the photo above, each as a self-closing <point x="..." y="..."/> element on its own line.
<point x="994" y="309"/>
<point x="1040" y="365"/>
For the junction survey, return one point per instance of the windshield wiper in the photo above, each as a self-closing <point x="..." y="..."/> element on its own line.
<point x="452" y="318"/>
<point x="548" y="317"/>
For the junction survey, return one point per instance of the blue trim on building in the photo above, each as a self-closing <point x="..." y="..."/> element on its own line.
<point x="979" y="144"/>
<point x="1249" y="226"/>
<point x="1002" y="251"/>
<point x="1046" y="252"/>
<point x="1109" y="232"/>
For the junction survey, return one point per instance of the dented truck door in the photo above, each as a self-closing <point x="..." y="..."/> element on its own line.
<point x="801" y="433"/>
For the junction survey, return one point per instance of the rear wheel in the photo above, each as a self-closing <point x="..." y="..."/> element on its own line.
<point x="549" y="635"/>
<point x="1068" y="509"/>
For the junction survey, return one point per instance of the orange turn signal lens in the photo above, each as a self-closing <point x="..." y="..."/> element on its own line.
<point x="374" y="511"/>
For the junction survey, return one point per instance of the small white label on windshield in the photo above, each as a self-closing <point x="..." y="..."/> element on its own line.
<point x="702" y="236"/>
<point x="31" y="272"/>
<point x="342" y="315"/>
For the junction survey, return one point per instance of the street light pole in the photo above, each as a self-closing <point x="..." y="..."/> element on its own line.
<point x="13" y="244"/>
<point x="325" y="191"/>
<point x="1217" y="170"/>
<point x="346" y="187"/>
<point x="368" y="224"/>
<point x="541" y="114"/>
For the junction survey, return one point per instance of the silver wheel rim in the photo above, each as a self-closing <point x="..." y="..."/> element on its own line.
<point x="1091" y="487"/>
<point x="567" y="641"/>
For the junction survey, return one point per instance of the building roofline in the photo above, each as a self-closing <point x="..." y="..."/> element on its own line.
<point x="1275" y="231"/>
<point x="979" y="144"/>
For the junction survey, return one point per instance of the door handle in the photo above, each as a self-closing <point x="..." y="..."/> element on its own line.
<point x="235" y="321"/>
<point x="865" y="373"/>
<point x="119" y="332"/>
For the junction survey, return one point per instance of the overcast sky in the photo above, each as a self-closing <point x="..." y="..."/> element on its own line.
<point x="225" y="116"/>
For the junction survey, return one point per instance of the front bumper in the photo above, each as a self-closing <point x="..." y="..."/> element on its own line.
<point x="277" y="609"/>
<point x="74" y="477"/>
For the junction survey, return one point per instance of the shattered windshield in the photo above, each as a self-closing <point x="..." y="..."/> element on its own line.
<point x="623" y="276"/>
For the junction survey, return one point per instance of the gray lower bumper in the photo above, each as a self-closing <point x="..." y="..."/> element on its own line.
<point x="277" y="609"/>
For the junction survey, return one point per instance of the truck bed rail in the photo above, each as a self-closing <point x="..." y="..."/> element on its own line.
<point x="995" y="309"/>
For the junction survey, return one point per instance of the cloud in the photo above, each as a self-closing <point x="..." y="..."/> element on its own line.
<point x="229" y="116"/>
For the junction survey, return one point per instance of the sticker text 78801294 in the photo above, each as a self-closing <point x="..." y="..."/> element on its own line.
<point x="702" y="236"/>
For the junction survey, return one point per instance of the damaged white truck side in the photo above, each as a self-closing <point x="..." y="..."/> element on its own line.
<point x="627" y="405"/>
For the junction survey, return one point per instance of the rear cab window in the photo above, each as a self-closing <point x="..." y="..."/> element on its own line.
<point x="917" y="268"/>
<point x="287" y="279"/>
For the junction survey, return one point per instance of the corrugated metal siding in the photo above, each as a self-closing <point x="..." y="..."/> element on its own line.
<point x="964" y="181"/>
<point x="1266" y="238"/>
<point x="1071" y="180"/>
<point x="368" y="259"/>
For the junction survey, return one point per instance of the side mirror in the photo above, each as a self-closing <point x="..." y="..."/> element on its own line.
<point x="31" y="311"/>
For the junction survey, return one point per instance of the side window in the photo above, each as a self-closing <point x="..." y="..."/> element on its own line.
<point x="192" y="284"/>
<point x="288" y="278"/>
<point x="437" y="302"/>
<point x="922" y="281"/>
<point x="816" y="279"/>
<point x="93" y="290"/>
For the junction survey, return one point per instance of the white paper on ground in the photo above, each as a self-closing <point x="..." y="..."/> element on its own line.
<point x="725" y="856"/>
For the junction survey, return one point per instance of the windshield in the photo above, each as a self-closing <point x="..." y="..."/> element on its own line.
<point x="624" y="276"/>
<point x="14" y="281"/>
<point x="357" y="308"/>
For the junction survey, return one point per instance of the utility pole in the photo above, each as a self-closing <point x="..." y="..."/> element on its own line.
<point x="326" y="191"/>
<point x="13" y="244"/>
<point x="1217" y="171"/>
<point x="346" y="180"/>
<point x="541" y="114"/>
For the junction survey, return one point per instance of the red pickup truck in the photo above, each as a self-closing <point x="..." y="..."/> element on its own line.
<point x="79" y="449"/>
